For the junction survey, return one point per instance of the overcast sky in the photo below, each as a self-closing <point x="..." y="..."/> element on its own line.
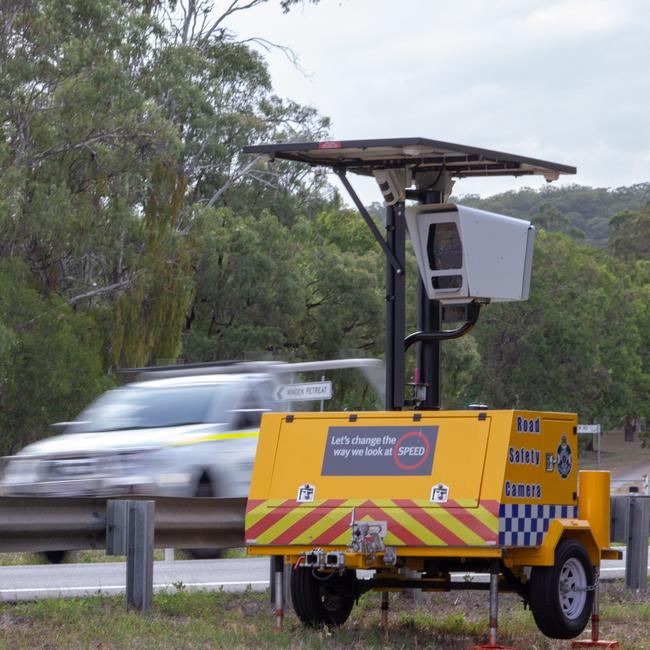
<point x="562" y="80"/>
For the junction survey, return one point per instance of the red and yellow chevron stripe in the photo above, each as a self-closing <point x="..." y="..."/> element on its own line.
<point x="410" y="522"/>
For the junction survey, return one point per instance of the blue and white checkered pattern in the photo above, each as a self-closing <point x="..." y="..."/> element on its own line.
<point x="525" y="524"/>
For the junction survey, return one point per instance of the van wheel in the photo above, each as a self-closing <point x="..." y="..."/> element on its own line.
<point x="561" y="596"/>
<point x="322" y="598"/>
<point x="54" y="557"/>
<point x="204" y="489"/>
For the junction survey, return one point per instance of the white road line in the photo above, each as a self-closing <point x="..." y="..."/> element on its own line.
<point x="122" y="587"/>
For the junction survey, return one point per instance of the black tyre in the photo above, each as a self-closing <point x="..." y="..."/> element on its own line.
<point x="204" y="489"/>
<point x="55" y="557"/>
<point x="322" y="598"/>
<point x="561" y="597"/>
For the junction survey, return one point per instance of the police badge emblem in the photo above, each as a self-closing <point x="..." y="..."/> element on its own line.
<point x="564" y="458"/>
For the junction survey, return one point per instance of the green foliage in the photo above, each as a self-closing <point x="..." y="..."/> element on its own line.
<point x="305" y="290"/>
<point x="247" y="294"/>
<point x="630" y="234"/>
<point x="149" y="317"/>
<point x="574" y="345"/>
<point x="50" y="359"/>
<point x="461" y="363"/>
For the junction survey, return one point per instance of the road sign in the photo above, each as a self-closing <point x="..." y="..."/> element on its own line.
<point x="589" y="428"/>
<point x="304" y="392"/>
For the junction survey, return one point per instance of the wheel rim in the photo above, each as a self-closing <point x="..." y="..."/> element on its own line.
<point x="573" y="588"/>
<point x="331" y="599"/>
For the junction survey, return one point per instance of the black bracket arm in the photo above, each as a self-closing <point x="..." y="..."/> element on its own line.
<point x="370" y="223"/>
<point x="473" y="311"/>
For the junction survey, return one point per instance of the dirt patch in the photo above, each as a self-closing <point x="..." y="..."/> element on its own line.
<point x="12" y="621"/>
<point x="628" y="461"/>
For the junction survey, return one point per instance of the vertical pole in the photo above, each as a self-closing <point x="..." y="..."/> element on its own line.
<point x="428" y="352"/>
<point x="395" y="308"/>
<point x="322" y="402"/>
<point x="494" y="601"/>
<point x="289" y="404"/>
<point x="139" y="556"/>
<point x="429" y="320"/>
<point x="599" y="442"/>
<point x="384" y="609"/>
<point x="278" y="575"/>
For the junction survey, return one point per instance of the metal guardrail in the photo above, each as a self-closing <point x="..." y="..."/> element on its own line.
<point x="630" y="525"/>
<point x="59" y="523"/>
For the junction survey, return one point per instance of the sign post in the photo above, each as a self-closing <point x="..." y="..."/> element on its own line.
<point x="591" y="430"/>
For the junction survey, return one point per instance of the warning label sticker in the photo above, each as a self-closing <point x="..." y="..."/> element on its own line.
<point x="379" y="451"/>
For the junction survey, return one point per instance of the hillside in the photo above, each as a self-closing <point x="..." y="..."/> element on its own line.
<point x="583" y="211"/>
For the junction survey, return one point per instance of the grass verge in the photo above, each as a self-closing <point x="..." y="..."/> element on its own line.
<point x="450" y="621"/>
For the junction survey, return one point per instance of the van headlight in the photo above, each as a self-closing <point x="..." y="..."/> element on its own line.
<point x="20" y="471"/>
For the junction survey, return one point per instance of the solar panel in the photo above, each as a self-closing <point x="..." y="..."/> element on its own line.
<point x="417" y="154"/>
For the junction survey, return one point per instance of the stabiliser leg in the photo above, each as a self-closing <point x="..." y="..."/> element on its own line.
<point x="278" y="576"/>
<point x="494" y="612"/>
<point x="384" y="609"/>
<point x="595" y="642"/>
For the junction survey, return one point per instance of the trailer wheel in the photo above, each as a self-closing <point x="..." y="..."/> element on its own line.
<point x="561" y="596"/>
<point x="322" y="598"/>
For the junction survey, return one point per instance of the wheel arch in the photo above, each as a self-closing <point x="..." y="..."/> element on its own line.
<point x="558" y="530"/>
<point x="203" y="475"/>
<point x="587" y="539"/>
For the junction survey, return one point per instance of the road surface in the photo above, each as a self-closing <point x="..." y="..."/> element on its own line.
<point x="109" y="578"/>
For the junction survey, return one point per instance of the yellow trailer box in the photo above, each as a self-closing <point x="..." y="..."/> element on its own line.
<point x="438" y="479"/>
<point x="417" y="497"/>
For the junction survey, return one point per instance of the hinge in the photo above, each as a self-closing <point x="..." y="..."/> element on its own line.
<point x="352" y="417"/>
<point x="289" y="418"/>
<point x="482" y="416"/>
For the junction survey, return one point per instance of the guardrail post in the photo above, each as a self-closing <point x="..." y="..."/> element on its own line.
<point x="139" y="556"/>
<point x="636" y="559"/>
<point x="619" y="510"/>
<point x="117" y="521"/>
<point x="130" y="532"/>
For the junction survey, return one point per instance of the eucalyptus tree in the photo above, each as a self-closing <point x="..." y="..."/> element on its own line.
<point x="116" y="137"/>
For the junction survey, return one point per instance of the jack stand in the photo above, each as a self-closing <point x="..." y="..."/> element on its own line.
<point x="384" y="610"/>
<point x="595" y="642"/>
<point x="278" y="575"/>
<point x="494" y="611"/>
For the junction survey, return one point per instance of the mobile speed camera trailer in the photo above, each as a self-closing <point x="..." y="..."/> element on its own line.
<point x="415" y="493"/>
